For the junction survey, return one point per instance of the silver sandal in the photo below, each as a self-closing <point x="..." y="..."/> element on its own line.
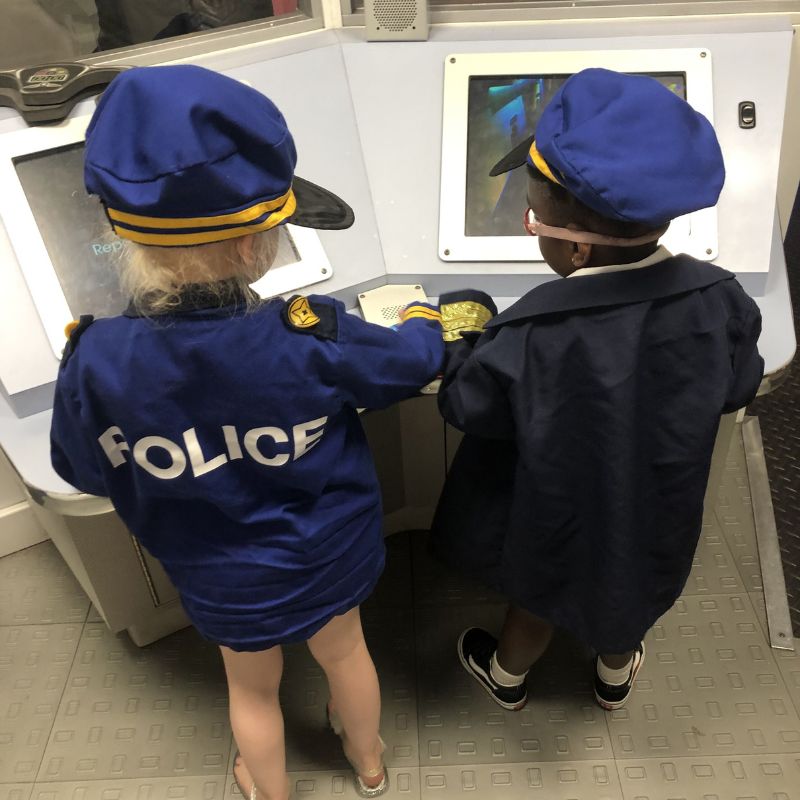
<point x="253" y="791"/>
<point x="362" y="789"/>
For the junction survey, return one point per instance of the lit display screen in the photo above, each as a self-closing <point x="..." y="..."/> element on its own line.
<point x="77" y="235"/>
<point x="503" y="111"/>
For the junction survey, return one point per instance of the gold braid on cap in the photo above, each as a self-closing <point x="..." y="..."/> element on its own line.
<point x="536" y="159"/>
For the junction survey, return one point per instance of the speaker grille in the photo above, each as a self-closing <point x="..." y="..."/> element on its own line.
<point x="395" y="15"/>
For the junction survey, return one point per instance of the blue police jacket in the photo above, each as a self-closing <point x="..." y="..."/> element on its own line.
<point x="230" y="444"/>
<point x="591" y="408"/>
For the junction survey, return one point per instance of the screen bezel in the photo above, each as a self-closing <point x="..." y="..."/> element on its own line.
<point x="34" y="260"/>
<point x="695" y="234"/>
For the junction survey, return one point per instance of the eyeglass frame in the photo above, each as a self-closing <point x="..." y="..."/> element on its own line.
<point x="535" y="228"/>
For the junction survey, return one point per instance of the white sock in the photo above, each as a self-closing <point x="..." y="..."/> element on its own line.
<point x="503" y="678"/>
<point x="614" y="677"/>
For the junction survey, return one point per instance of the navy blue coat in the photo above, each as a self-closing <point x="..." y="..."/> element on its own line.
<point x="230" y="445"/>
<point x="591" y="408"/>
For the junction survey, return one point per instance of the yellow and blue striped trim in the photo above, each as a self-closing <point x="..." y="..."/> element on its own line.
<point x="537" y="161"/>
<point x="187" y="231"/>
<point x="421" y="312"/>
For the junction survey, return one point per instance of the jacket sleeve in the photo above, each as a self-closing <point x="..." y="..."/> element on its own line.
<point x="379" y="366"/>
<point x="473" y="397"/>
<point x="747" y="363"/>
<point x="72" y="452"/>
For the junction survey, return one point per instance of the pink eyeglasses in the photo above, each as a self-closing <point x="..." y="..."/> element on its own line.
<point x="536" y="228"/>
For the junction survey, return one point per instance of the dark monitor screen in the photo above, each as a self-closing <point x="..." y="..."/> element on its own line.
<point x="503" y="111"/>
<point x="73" y="225"/>
<point x="74" y="228"/>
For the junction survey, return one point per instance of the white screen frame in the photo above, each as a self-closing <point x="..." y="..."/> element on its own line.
<point x="695" y="234"/>
<point x="34" y="260"/>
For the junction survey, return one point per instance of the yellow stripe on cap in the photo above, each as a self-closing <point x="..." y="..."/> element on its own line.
<point x="207" y="237"/>
<point x="541" y="164"/>
<point x="237" y="218"/>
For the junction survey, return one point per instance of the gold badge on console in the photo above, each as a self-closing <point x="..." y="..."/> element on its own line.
<point x="301" y="315"/>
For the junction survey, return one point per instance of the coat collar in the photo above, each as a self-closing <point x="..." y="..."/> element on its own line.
<point x="675" y="275"/>
<point x="226" y="296"/>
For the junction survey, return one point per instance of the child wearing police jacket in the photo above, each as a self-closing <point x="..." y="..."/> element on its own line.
<point x="225" y="428"/>
<point x="591" y="405"/>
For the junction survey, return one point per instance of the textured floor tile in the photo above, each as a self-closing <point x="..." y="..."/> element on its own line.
<point x="34" y="664"/>
<point x="394" y="588"/>
<point x="310" y="745"/>
<point x="37" y="587"/>
<point x="94" y="615"/>
<point x="130" y="712"/>
<point x="436" y="585"/>
<point x="205" y="788"/>
<point x="789" y="665"/>
<point x="766" y="777"/>
<point x="576" y="780"/>
<point x="713" y="568"/>
<point x="760" y="608"/>
<point x="459" y="723"/>
<point x="15" y="791"/>
<point x="734" y="511"/>
<point x="403" y="783"/>
<point x="710" y="686"/>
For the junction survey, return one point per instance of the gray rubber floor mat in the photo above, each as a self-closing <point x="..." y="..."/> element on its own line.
<point x="37" y="587"/>
<point x="779" y="416"/>
<point x="86" y="715"/>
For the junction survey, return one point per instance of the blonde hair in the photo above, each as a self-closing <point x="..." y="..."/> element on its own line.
<point x="155" y="277"/>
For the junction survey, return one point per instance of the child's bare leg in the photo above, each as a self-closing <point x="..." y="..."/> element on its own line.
<point x="523" y="640"/>
<point x="253" y="681"/>
<point x="341" y="651"/>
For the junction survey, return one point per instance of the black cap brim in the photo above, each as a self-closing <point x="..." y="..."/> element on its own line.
<point x="516" y="158"/>
<point x="318" y="208"/>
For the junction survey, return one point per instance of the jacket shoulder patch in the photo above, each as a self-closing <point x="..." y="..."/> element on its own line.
<point x="73" y="331"/>
<point x="305" y="316"/>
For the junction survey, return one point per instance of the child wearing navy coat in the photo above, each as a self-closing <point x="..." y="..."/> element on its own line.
<point x="591" y="405"/>
<point x="225" y="428"/>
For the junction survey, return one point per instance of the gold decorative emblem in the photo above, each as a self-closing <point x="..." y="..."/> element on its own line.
<point x="70" y="327"/>
<point x="301" y="315"/>
<point x="464" y="317"/>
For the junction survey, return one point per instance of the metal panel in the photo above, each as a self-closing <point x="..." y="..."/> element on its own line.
<point x="402" y="150"/>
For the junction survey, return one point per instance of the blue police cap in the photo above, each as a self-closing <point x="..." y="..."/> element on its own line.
<point x="182" y="155"/>
<point x="626" y="146"/>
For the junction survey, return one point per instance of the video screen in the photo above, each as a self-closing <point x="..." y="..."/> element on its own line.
<point x="77" y="234"/>
<point x="502" y="112"/>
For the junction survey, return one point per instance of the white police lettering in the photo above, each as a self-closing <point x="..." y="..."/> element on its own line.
<point x="303" y="442"/>
<point x="199" y="464"/>
<point x="277" y="453"/>
<point x="232" y="442"/>
<point x="112" y="447"/>
<point x="251" y="445"/>
<point x="143" y="446"/>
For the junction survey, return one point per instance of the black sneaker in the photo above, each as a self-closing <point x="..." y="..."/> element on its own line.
<point x="614" y="697"/>
<point x="475" y="650"/>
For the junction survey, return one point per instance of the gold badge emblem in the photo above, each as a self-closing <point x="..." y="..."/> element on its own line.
<point x="301" y="315"/>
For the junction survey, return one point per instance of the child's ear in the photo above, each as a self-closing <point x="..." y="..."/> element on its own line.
<point x="581" y="253"/>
